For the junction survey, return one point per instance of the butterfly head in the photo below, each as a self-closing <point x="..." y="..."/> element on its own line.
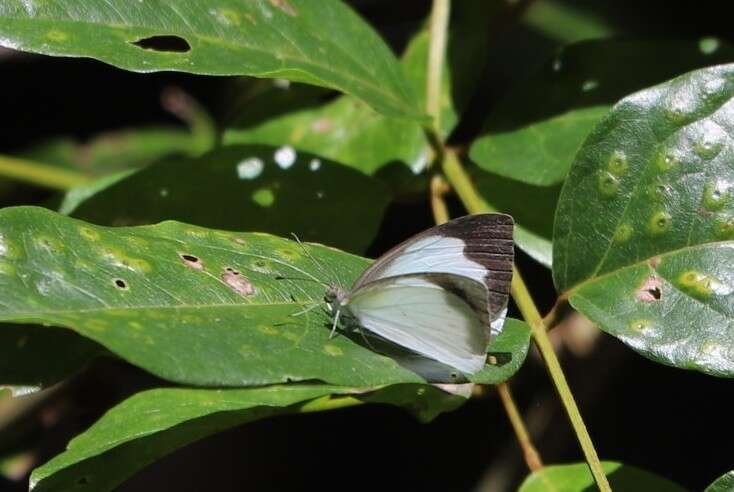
<point x="335" y="298"/>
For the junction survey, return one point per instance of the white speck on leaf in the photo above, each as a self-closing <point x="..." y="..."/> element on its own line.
<point x="250" y="168"/>
<point x="285" y="156"/>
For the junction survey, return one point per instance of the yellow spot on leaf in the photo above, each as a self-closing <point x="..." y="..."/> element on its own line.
<point x="333" y="350"/>
<point x="267" y="329"/>
<point x="57" y="36"/>
<point x="88" y="233"/>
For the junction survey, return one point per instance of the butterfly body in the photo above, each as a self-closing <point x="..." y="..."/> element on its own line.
<point x="441" y="294"/>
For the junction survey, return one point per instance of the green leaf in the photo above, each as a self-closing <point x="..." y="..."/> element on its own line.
<point x="116" y="151"/>
<point x="507" y="353"/>
<point x="244" y="188"/>
<point x="196" y="306"/>
<point x="577" y="478"/>
<point x="33" y="357"/>
<point x="153" y="423"/>
<point x="533" y="135"/>
<point x="323" y="43"/>
<point x="347" y="131"/>
<point x="724" y="483"/>
<point x="532" y="207"/>
<point x="566" y="22"/>
<point x="643" y="234"/>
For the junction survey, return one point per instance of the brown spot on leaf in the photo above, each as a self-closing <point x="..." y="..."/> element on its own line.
<point x="285" y="6"/>
<point x="321" y="125"/>
<point x="237" y="282"/>
<point x="654" y="262"/>
<point x="650" y="291"/>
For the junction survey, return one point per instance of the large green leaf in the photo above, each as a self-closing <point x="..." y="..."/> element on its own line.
<point x="153" y="423"/>
<point x="323" y="43"/>
<point x="198" y="306"/>
<point x="644" y="228"/>
<point x="577" y="478"/>
<point x="349" y="132"/>
<point x="534" y="134"/>
<point x="33" y="357"/>
<point x="260" y="188"/>
<point x="724" y="483"/>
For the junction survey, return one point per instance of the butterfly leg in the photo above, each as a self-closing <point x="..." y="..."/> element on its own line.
<point x="336" y="323"/>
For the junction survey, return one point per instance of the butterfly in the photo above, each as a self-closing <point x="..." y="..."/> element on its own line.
<point x="442" y="294"/>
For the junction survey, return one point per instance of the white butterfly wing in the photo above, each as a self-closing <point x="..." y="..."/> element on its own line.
<point x="479" y="247"/>
<point x="440" y="316"/>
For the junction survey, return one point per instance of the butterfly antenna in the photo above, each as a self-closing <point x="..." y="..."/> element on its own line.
<point x="319" y="265"/>
<point x="307" y="310"/>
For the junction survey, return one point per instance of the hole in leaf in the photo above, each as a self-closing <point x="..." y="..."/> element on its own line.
<point x="191" y="261"/>
<point x="650" y="291"/>
<point x="121" y="284"/>
<point x="164" y="43"/>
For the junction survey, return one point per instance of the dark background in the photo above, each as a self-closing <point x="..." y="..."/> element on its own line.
<point x="666" y="420"/>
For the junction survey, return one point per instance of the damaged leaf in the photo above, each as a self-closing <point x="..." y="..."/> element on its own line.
<point x="644" y="233"/>
<point x="324" y="43"/>
<point x="201" y="306"/>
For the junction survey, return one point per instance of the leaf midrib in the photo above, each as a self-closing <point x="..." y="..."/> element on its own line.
<point x="14" y="315"/>
<point x="590" y="280"/>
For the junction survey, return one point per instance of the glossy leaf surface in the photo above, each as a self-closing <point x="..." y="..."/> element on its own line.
<point x="323" y="43"/>
<point x="259" y="188"/>
<point x="347" y="131"/>
<point x="533" y="135"/>
<point x="198" y="306"/>
<point x="645" y="226"/>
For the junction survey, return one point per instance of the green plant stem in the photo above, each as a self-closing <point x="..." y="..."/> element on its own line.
<point x="438" y="205"/>
<point x="474" y="203"/>
<point x="530" y="312"/>
<point x="440" y="13"/>
<point x="532" y="458"/>
<point x="40" y="174"/>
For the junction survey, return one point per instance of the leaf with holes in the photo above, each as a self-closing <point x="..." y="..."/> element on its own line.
<point x="154" y="423"/>
<point x="34" y="357"/>
<point x="349" y="132"/>
<point x="322" y="43"/>
<point x="576" y="478"/>
<point x="534" y="134"/>
<point x="197" y="306"/>
<point x="724" y="483"/>
<point x="259" y="188"/>
<point x="644" y="233"/>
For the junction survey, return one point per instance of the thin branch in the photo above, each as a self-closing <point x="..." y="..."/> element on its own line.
<point x="436" y="54"/>
<point x="532" y="458"/>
